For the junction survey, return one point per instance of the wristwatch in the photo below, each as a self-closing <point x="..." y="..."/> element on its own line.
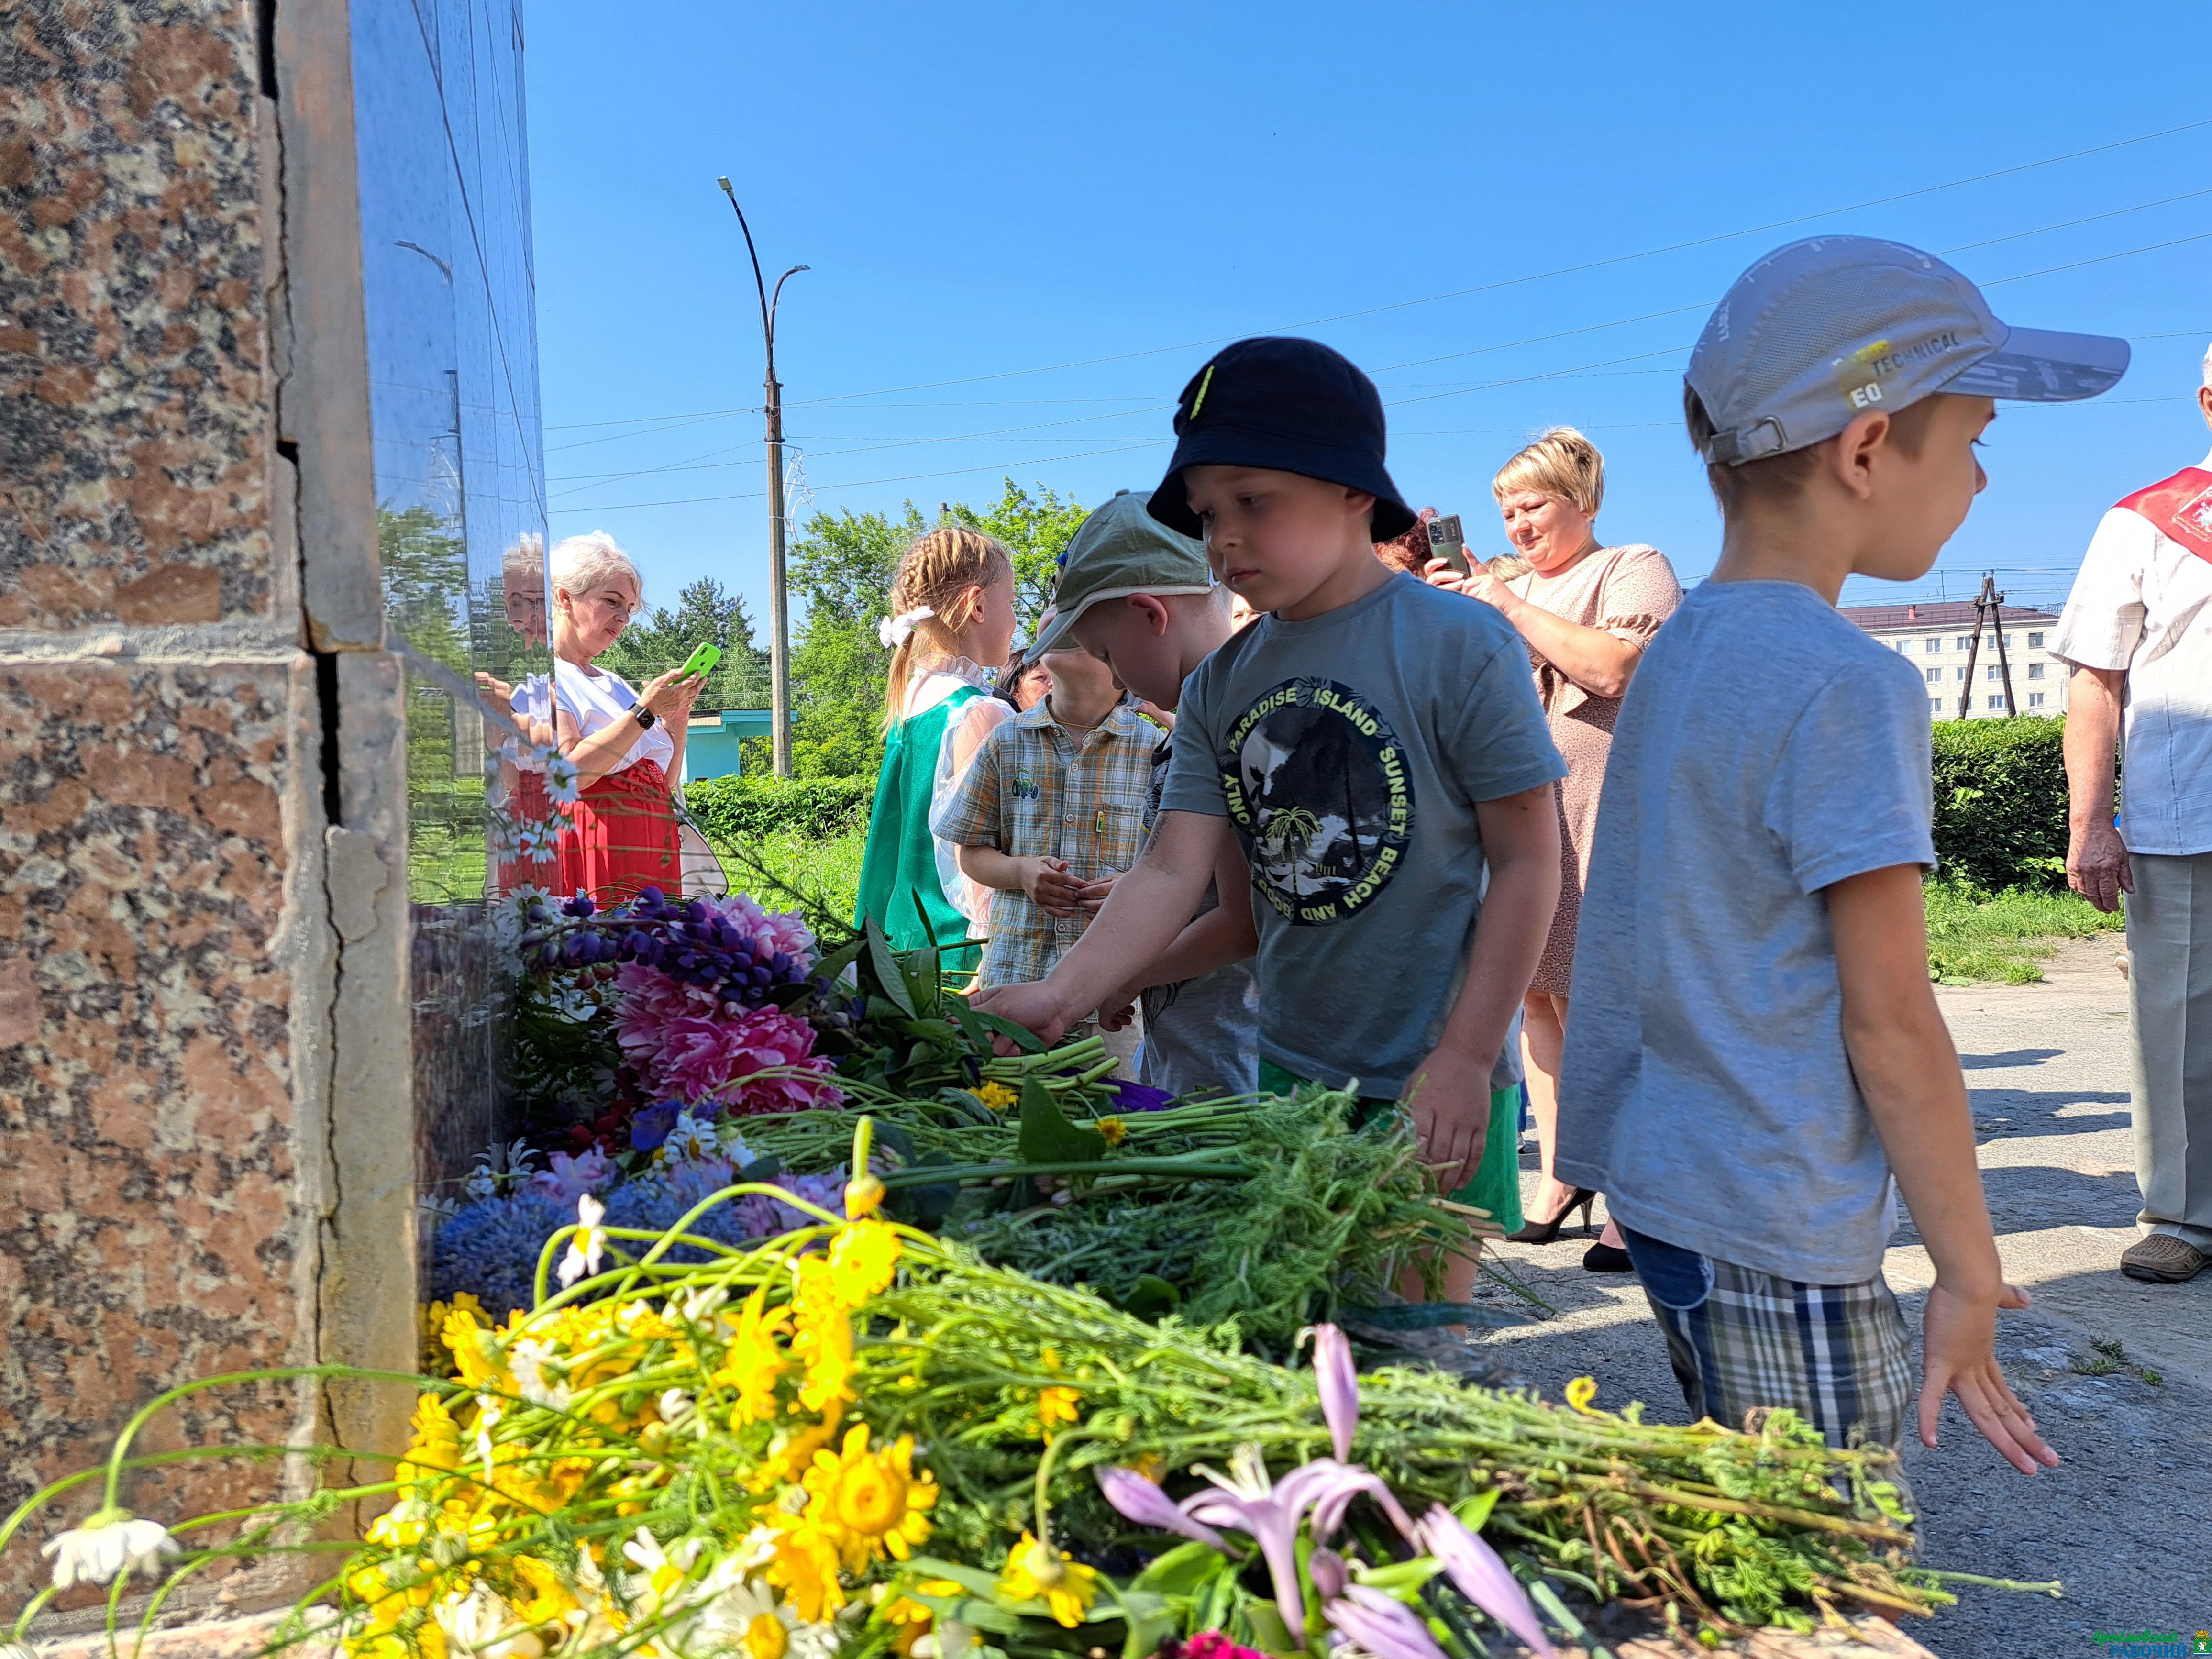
<point x="644" y="716"/>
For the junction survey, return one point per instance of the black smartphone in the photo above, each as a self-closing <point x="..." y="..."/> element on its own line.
<point x="1447" y="542"/>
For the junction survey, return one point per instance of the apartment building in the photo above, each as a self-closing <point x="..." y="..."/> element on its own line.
<point x="1937" y="638"/>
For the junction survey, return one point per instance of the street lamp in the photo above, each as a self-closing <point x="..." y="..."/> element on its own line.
<point x="779" y="609"/>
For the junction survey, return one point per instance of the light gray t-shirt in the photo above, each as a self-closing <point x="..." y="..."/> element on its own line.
<point x="1349" y="751"/>
<point x="1768" y="748"/>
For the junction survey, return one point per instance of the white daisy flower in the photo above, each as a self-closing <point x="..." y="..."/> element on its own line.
<point x="110" y="1541"/>
<point x="587" y="1247"/>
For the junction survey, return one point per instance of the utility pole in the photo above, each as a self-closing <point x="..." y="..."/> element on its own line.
<point x="1995" y="601"/>
<point x="778" y="606"/>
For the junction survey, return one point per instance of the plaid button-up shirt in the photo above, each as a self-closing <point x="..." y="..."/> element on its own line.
<point x="1034" y="791"/>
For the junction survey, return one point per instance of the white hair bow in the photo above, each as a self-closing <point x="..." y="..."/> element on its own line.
<point x="893" y="630"/>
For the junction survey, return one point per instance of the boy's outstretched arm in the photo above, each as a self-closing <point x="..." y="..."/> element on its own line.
<point x="1450" y="1092"/>
<point x="1901" y="1052"/>
<point x="1148" y="907"/>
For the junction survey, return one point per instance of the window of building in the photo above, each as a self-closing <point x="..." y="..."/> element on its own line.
<point x="1994" y="671"/>
<point x="2008" y="642"/>
<point x="1934" y="646"/>
<point x="2035" y="700"/>
<point x="2035" y="642"/>
<point x="2035" y="671"/>
<point x="1964" y="640"/>
<point x="1959" y="672"/>
<point x="1995" y="703"/>
<point x="1935" y="705"/>
<point x="1934" y="675"/>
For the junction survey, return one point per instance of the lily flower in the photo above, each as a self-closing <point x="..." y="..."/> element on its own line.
<point x="1329" y="1574"/>
<point x="1481" y="1575"/>
<point x="1381" y="1625"/>
<point x="110" y="1541"/>
<point x="1339" y="1388"/>
<point x="590" y="1243"/>
<point x="1140" y="1501"/>
<point x="1269" y="1512"/>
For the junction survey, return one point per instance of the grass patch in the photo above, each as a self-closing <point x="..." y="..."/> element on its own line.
<point x="792" y="870"/>
<point x="1974" y="936"/>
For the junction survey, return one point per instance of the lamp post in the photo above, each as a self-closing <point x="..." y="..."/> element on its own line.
<point x="779" y="609"/>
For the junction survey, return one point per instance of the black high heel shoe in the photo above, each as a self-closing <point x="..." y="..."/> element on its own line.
<point x="1543" y="1233"/>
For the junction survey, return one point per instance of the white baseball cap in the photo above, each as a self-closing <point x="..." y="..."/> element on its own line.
<point x="1824" y="330"/>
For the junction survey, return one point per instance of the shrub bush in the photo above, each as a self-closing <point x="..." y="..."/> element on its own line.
<point x="2001" y="802"/>
<point x="746" y="808"/>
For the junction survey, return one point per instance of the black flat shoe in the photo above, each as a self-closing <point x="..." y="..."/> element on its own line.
<point x="1602" y="1258"/>
<point x="1543" y="1233"/>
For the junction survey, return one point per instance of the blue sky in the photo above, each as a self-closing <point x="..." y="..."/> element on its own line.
<point x="1028" y="224"/>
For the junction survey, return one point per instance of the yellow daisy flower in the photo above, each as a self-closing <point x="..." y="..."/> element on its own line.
<point x="754" y="1360"/>
<point x="862" y="1261"/>
<point x="1114" y="1129"/>
<point x="1065" y="1585"/>
<point x="996" y="1095"/>
<point x="1056" y="1406"/>
<point x="539" y="1596"/>
<point x="870" y="1502"/>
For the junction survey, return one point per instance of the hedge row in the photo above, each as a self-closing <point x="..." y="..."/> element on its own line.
<point x="743" y="808"/>
<point x="2001" y="802"/>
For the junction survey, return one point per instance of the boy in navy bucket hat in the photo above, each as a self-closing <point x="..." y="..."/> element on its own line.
<point x="1755" y="1051"/>
<point x="1372" y="742"/>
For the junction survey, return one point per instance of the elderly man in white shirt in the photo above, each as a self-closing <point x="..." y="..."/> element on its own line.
<point x="2137" y="633"/>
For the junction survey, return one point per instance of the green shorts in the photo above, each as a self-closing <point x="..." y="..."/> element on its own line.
<point x="1497" y="1184"/>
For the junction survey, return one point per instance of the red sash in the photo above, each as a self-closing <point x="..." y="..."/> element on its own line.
<point x="2181" y="508"/>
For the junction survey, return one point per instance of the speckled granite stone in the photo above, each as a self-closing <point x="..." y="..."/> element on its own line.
<point x="135" y="393"/>
<point x="151" y="1206"/>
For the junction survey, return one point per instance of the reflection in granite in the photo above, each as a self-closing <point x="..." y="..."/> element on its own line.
<point x="134" y="401"/>
<point x="152" y="1197"/>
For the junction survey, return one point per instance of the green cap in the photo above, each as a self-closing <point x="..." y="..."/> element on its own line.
<point x="1118" y="550"/>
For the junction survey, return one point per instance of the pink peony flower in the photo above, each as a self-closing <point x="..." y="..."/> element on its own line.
<point x="696" y="1057"/>
<point x="783" y="929"/>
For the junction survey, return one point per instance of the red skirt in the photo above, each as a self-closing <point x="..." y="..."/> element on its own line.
<point x="622" y="836"/>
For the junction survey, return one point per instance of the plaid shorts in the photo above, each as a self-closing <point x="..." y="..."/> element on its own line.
<point x="1838" y="1355"/>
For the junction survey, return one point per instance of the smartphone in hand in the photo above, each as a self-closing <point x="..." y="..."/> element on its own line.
<point x="1449" y="543"/>
<point x="701" y="661"/>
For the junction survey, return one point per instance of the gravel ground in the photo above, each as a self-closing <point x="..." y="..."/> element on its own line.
<point x="2126" y="1522"/>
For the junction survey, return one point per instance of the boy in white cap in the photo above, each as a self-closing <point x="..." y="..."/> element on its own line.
<point x="1756" y="1049"/>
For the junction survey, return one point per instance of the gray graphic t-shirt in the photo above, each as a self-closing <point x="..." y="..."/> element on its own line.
<point x="1706" y="1089"/>
<point x="1350" y="750"/>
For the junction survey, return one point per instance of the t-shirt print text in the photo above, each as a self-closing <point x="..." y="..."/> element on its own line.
<point x="1316" y="782"/>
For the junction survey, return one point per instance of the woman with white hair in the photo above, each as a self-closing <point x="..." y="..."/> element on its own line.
<point x="626" y="745"/>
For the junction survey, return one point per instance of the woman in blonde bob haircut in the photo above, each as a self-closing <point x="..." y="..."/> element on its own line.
<point x="1586" y="611"/>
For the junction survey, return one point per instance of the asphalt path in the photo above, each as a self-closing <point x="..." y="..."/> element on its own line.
<point x="2126" y="1522"/>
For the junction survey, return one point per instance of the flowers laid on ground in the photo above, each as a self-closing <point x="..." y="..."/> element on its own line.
<point x="854" y="1439"/>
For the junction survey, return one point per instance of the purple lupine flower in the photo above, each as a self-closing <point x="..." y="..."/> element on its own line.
<point x="1381" y="1626"/>
<point x="1339" y="1388"/>
<point x="1144" y="1502"/>
<point x="1481" y="1575"/>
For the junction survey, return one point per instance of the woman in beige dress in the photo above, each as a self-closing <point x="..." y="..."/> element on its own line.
<point x="1586" y="611"/>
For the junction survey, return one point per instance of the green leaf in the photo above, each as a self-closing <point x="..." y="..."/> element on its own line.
<point x="1021" y="1036"/>
<point x="1151" y="1297"/>
<point x="973" y="1579"/>
<point x="925" y="1208"/>
<point x="885" y="963"/>
<point x="830" y="967"/>
<point x="1473" y="1511"/>
<point x="1183" y="1571"/>
<point x="1047" y="1136"/>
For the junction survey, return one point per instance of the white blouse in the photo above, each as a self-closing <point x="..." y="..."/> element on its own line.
<point x="597" y="700"/>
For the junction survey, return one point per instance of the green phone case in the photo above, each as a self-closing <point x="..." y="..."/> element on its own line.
<point x="702" y="660"/>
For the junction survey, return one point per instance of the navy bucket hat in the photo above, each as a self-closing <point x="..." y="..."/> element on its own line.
<point x="1289" y="406"/>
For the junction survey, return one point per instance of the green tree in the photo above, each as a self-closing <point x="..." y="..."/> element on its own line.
<point x="1036" y="532"/>
<point x="842" y="569"/>
<point x="706" y="614"/>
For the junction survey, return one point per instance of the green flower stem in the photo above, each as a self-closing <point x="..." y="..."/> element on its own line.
<point x="2054" y="1588"/>
<point x="1164" y="1168"/>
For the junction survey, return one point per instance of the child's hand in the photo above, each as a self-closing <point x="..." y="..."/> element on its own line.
<point x="1047" y="881"/>
<point x="1116" y="1014"/>
<point x="1092" y="893"/>
<point x="1960" y="1333"/>
<point x="1450" y="1098"/>
<point x="1030" y="1005"/>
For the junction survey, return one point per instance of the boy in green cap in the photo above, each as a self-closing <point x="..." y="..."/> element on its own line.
<point x="1138" y="596"/>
